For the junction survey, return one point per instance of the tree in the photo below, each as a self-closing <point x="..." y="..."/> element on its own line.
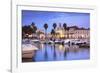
<point x="53" y="34"/>
<point x="54" y="25"/>
<point x="33" y="24"/>
<point x="45" y="27"/>
<point x="65" y="28"/>
<point x="26" y="30"/>
<point x="34" y="28"/>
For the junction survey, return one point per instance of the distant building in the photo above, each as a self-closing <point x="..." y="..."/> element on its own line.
<point x="40" y="34"/>
<point x="72" y="32"/>
<point x="79" y="33"/>
<point x="60" y="32"/>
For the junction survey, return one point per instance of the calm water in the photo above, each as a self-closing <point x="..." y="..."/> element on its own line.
<point x="56" y="52"/>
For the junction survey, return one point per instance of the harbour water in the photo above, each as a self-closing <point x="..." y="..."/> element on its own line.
<point x="59" y="52"/>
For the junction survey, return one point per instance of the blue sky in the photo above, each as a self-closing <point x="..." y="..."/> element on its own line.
<point x="42" y="17"/>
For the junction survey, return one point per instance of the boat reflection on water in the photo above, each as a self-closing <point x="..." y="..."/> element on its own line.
<point x="59" y="52"/>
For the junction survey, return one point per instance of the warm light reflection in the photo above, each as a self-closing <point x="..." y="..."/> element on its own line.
<point x="61" y="48"/>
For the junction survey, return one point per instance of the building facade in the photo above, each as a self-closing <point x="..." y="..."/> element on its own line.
<point x="73" y="32"/>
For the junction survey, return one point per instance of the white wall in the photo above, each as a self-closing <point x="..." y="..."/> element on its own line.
<point x="5" y="34"/>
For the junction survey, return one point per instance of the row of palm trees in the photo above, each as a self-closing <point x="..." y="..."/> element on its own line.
<point x="30" y="29"/>
<point x="54" y="27"/>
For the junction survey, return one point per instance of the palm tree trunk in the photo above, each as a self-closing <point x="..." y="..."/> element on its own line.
<point x="46" y="36"/>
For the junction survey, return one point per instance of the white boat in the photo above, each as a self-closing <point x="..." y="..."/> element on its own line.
<point x="67" y="41"/>
<point x="28" y="50"/>
<point x="35" y="41"/>
<point x="51" y="42"/>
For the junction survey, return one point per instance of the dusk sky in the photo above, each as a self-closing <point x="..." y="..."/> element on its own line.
<point x="42" y="17"/>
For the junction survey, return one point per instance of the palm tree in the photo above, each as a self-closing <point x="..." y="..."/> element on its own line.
<point x="45" y="26"/>
<point x="52" y="33"/>
<point x="54" y="25"/>
<point x="33" y="27"/>
<point x="65" y="28"/>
